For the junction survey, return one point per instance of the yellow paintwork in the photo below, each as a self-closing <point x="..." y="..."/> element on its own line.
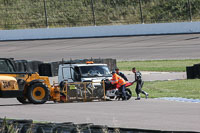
<point x="41" y="92"/>
<point x="55" y="93"/>
<point x="30" y="78"/>
<point x="8" y="83"/>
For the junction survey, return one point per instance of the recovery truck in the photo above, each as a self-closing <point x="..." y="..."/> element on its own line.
<point x="89" y="74"/>
<point x="83" y="72"/>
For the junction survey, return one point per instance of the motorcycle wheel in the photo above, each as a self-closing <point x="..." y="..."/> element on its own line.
<point x="112" y="97"/>
<point x="128" y="93"/>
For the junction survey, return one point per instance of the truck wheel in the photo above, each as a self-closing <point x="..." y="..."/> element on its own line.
<point x="38" y="93"/>
<point x="23" y="100"/>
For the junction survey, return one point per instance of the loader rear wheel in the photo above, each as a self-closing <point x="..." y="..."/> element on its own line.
<point x="23" y="100"/>
<point x="38" y="93"/>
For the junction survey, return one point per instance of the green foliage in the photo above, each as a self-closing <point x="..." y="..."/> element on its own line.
<point x="17" y="14"/>
<point x="8" y="128"/>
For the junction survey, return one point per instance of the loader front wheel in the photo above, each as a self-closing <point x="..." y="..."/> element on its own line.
<point x="38" y="93"/>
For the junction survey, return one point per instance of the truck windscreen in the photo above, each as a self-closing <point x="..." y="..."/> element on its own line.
<point x="95" y="71"/>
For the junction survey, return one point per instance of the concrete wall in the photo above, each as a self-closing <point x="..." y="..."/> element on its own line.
<point x="101" y="31"/>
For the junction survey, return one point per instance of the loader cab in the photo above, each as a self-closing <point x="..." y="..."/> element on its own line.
<point x="83" y="72"/>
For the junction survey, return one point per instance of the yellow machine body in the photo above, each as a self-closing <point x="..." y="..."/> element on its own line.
<point x="8" y="83"/>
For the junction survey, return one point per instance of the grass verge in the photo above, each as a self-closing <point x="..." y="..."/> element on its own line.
<point x="158" y="65"/>
<point x="175" y="88"/>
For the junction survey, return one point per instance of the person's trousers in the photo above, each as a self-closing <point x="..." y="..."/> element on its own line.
<point x="139" y="90"/>
<point x="123" y="90"/>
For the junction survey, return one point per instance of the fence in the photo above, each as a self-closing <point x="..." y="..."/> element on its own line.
<point x="82" y="91"/>
<point x="19" y="14"/>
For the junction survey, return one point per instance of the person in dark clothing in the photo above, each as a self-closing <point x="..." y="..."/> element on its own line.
<point x="121" y="74"/>
<point x="139" y="85"/>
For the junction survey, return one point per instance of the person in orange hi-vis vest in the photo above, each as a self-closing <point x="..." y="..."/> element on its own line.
<point x="116" y="79"/>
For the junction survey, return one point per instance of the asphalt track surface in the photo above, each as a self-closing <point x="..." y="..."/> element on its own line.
<point x="144" y="114"/>
<point x="147" y="114"/>
<point x="121" y="48"/>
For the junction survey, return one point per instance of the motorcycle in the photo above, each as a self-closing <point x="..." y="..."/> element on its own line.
<point x="113" y="91"/>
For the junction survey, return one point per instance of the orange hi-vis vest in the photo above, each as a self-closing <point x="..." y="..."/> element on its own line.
<point x="116" y="79"/>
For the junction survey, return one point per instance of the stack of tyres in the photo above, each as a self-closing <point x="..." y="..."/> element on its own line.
<point x="99" y="129"/>
<point x="33" y="66"/>
<point x="42" y="128"/>
<point x="27" y="66"/>
<point x="190" y="72"/>
<point x="22" y="125"/>
<point x="126" y="130"/>
<point x="49" y="69"/>
<point x="55" y="66"/>
<point x="83" y="128"/>
<point x="46" y="69"/>
<point x="64" y="127"/>
<point x="21" y="66"/>
<point x="197" y="70"/>
<point x="193" y="71"/>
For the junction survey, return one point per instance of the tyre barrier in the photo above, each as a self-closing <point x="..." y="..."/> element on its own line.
<point x="34" y="66"/>
<point x="193" y="71"/>
<point x="51" y="69"/>
<point x="27" y="126"/>
<point x="21" y="65"/>
<point x="27" y="66"/>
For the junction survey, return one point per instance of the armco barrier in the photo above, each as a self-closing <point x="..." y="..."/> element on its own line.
<point x="101" y="31"/>
<point x="6" y="126"/>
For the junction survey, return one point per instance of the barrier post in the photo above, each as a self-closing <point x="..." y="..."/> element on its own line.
<point x="84" y="92"/>
<point x="65" y="91"/>
<point x="45" y="13"/>
<point x="93" y="12"/>
<point x="141" y="14"/>
<point x="104" y="92"/>
<point x="190" y="10"/>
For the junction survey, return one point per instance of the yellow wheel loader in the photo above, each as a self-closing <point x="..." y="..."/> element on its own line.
<point x="26" y="87"/>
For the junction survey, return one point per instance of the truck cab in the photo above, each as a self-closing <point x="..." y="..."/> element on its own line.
<point x="83" y="72"/>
